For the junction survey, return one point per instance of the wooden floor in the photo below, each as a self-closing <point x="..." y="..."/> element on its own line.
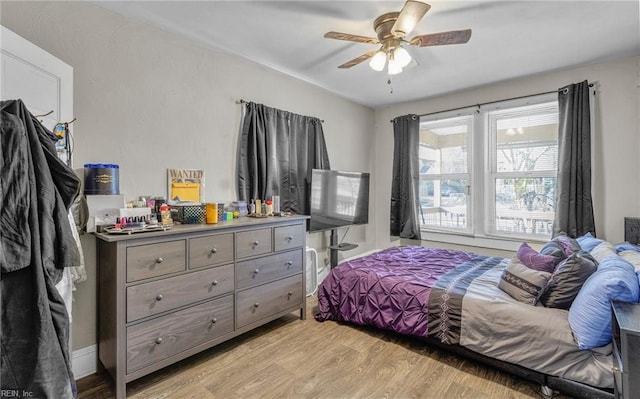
<point x="293" y="358"/>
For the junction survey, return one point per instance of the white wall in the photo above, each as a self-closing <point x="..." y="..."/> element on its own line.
<point x="148" y="100"/>
<point x="616" y="167"/>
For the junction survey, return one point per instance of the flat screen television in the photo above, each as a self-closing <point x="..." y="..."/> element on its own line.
<point x="338" y="199"/>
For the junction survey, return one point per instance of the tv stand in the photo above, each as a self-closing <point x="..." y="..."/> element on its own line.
<point x="335" y="247"/>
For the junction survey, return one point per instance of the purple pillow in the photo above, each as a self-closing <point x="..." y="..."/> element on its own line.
<point x="569" y="245"/>
<point x="534" y="260"/>
<point x="553" y="248"/>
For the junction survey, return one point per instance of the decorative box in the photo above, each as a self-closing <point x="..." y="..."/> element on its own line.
<point x="189" y="214"/>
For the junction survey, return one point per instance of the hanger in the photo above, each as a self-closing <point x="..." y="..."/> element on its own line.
<point x="48" y="113"/>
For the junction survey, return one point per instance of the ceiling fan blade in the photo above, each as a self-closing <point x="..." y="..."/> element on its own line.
<point x="411" y="13"/>
<point x="358" y="60"/>
<point x="442" y="38"/>
<point x="351" y="38"/>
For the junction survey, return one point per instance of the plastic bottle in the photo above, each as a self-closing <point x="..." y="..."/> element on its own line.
<point x="165" y="214"/>
<point x="258" y="207"/>
<point x="269" y="210"/>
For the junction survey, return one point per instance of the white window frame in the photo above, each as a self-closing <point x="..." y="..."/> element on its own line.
<point x="460" y="113"/>
<point x="491" y="165"/>
<point x="481" y="191"/>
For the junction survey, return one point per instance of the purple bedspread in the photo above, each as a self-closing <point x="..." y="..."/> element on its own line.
<point x="411" y="290"/>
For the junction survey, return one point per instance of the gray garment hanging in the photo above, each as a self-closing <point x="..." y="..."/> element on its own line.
<point x="276" y="152"/>
<point x="36" y="243"/>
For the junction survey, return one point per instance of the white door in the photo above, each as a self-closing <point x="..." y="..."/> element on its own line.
<point x="43" y="82"/>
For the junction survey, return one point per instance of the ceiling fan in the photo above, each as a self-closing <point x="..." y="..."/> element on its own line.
<point x="391" y="29"/>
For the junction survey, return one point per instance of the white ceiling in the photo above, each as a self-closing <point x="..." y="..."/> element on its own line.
<point x="510" y="39"/>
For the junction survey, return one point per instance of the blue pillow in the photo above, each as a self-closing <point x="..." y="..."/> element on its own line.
<point x="590" y="313"/>
<point x="627" y="246"/>
<point x="588" y="242"/>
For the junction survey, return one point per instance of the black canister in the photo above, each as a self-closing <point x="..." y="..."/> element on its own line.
<point x="159" y="201"/>
<point x="101" y="179"/>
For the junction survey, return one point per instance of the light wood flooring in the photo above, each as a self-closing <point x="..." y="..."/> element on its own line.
<point x="293" y="358"/>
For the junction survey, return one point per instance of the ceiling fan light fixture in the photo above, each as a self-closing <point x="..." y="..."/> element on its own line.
<point x="391" y="29"/>
<point x="394" y="67"/>
<point x="401" y="56"/>
<point x="378" y="61"/>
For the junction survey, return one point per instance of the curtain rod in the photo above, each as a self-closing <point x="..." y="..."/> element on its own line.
<point x="492" y="102"/>
<point x="241" y="101"/>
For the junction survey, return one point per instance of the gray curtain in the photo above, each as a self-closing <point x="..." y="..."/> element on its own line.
<point x="276" y="152"/>
<point x="574" y="210"/>
<point x="405" y="199"/>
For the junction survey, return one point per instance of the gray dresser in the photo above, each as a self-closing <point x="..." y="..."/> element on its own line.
<point x="164" y="296"/>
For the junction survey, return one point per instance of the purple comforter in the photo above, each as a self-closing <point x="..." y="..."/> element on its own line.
<point x="411" y="290"/>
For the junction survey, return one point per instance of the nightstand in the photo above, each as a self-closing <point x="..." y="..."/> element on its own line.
<point x="626" y="349"/>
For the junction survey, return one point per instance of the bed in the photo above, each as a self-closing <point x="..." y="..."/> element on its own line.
<point x="456" y="300"/>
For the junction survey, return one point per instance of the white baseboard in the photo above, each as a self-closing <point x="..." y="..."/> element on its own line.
<point x="84" y="361"/>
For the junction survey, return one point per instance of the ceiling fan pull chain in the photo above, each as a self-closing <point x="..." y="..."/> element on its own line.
<point x="390" y="87"/>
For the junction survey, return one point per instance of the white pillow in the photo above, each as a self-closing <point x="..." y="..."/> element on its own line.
<point x="522" y="283"/>
<point x="632" y="257"/>
<point x="603" y="250"/>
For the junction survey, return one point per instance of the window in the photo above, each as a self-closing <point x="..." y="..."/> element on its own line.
<point x="491" y="170"/>
<point x="524" y="163"/>
<point x="445" y="173"/>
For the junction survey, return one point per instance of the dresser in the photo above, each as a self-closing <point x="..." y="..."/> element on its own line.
<point x="166" y="295"/>
<point x="626" y="349"/>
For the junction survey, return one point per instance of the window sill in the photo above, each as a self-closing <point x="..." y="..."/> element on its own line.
<point x="500" y="243"/>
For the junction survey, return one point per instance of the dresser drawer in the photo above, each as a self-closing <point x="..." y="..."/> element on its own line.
<point x="152" y="260"/>
<point x="288" y="237"/>
<point x="159" y="296"/>
<point x="268" y="299"/>
<point x="253" y="242"/>
<point x="169" y="335"/>
<point x="260" y="270"/>
<point x="210" y="250"/>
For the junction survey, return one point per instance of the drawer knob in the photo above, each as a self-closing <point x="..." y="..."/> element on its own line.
<point x="289" y="238"/>
<point x="214" y="250"/>
<point x="615" y="369"/>
<point x="255" y="305"/>
<point x="159" y="340"/>
<point x="256" y="243"/>
<point x="290" y="293"/>
<point x="214" y="320"/>
<point x="159" y="260"/>
<point x="214" y="282"/>
<point x="159" y="297"/>
<point x="289" y="263"/>
<point x="256" y="271"/>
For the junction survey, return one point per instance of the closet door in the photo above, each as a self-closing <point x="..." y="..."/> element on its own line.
<point x="43" y="82"/>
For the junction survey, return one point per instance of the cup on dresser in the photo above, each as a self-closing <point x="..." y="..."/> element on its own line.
<point x="211" y="210"/>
